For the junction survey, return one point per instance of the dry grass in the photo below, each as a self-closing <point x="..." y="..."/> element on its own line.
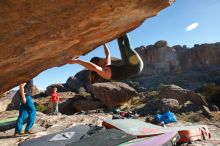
<point x="216" y="116"/>
<point x="198" y="117"/>
<point x="211" y="92"/>
<point x="41" y="108"/>
<point x="191" y="117"/>
<point x="152" y="94"/>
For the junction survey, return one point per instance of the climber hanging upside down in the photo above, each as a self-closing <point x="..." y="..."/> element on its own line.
<point x="132" y="64"/>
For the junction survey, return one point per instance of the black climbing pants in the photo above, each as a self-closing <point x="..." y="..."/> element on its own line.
<point x="132" y="63"/>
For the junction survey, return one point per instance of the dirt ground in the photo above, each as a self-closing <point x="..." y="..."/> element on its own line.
<point x="46" y="124"/>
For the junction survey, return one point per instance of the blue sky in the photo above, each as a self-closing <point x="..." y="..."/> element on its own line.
<point x="170" y="25"/>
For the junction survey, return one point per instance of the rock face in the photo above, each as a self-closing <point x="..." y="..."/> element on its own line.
<point x="81" y="79"/>
<point x="160" y="58"/>
<point x="182" y="95"/>
<point x="35" y="90"/>
<point x="113" y="94"/>
<point x="37" y="35"/>
<point x="189" y="68"/>
<point x="86" y="104"/>
<point x="15" y="102"/>
<point x="4" y="102"/>
<point x="60" y="88"/>
<point x="168" y="104"/>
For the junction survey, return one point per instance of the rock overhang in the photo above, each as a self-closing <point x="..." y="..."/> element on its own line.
<point x="37" y="35"/>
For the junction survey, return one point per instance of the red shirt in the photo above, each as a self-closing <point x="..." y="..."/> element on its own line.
<point x="54" y="97"/>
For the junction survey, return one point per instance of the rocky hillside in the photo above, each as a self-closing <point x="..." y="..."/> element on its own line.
<point x="189" y="68"/>
<point x="161" y="58"/>
<point x="38" y="34"/>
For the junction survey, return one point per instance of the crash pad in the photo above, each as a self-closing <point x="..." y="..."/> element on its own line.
<point x="79" y="131"/>
<point x="135" y="127"/>
<point x="8" y="123"/>
<point x="8" y="120"/>
<point x="143" y="129"/>
<point x="108" y="137"/>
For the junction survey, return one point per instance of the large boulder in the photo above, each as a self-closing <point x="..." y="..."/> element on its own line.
<point x="35" y="90"/>
<point x="182" y="95"/>
<point x="15" y="102"/>
<point x="86" y="104"/>
<point x="39" y="34"/>
<point x="60" y="88"/>
<point x="81" y="79"/>
<point x="113" y="94"/>
<point x="168" y="104"/>
<point x="4" y="102"/>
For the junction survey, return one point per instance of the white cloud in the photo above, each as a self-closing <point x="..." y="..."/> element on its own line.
<point x="192" y="26"/>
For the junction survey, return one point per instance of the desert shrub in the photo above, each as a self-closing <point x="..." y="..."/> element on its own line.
<point x="211" y="92"/>
<point x="190" y="117"/>
<point x="153" y="94"/>
<point x="41" y="108"/>
<point x="82" y="92"/>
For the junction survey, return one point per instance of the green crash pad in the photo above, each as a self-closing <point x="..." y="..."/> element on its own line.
<point x="9" y="123"/>
<point x="8" y="120"/>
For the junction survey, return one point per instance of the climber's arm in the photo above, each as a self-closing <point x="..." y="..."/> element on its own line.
<point x="107" y="55"/>
<point x="103" y="72"/>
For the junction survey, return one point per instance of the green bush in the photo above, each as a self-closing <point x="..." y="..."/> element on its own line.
<point x="211" y="92"/>
<point x="82" y="92"/>
<point x="41" y="108"/>
<point x="153" y="94"/>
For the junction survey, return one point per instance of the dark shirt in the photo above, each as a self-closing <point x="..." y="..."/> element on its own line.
<point x="124" y="71"/>
<point x="28" y="88"/>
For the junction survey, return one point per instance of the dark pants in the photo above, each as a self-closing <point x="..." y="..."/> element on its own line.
<point x="132" y="62"/>
<point x="27" y="109"/>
